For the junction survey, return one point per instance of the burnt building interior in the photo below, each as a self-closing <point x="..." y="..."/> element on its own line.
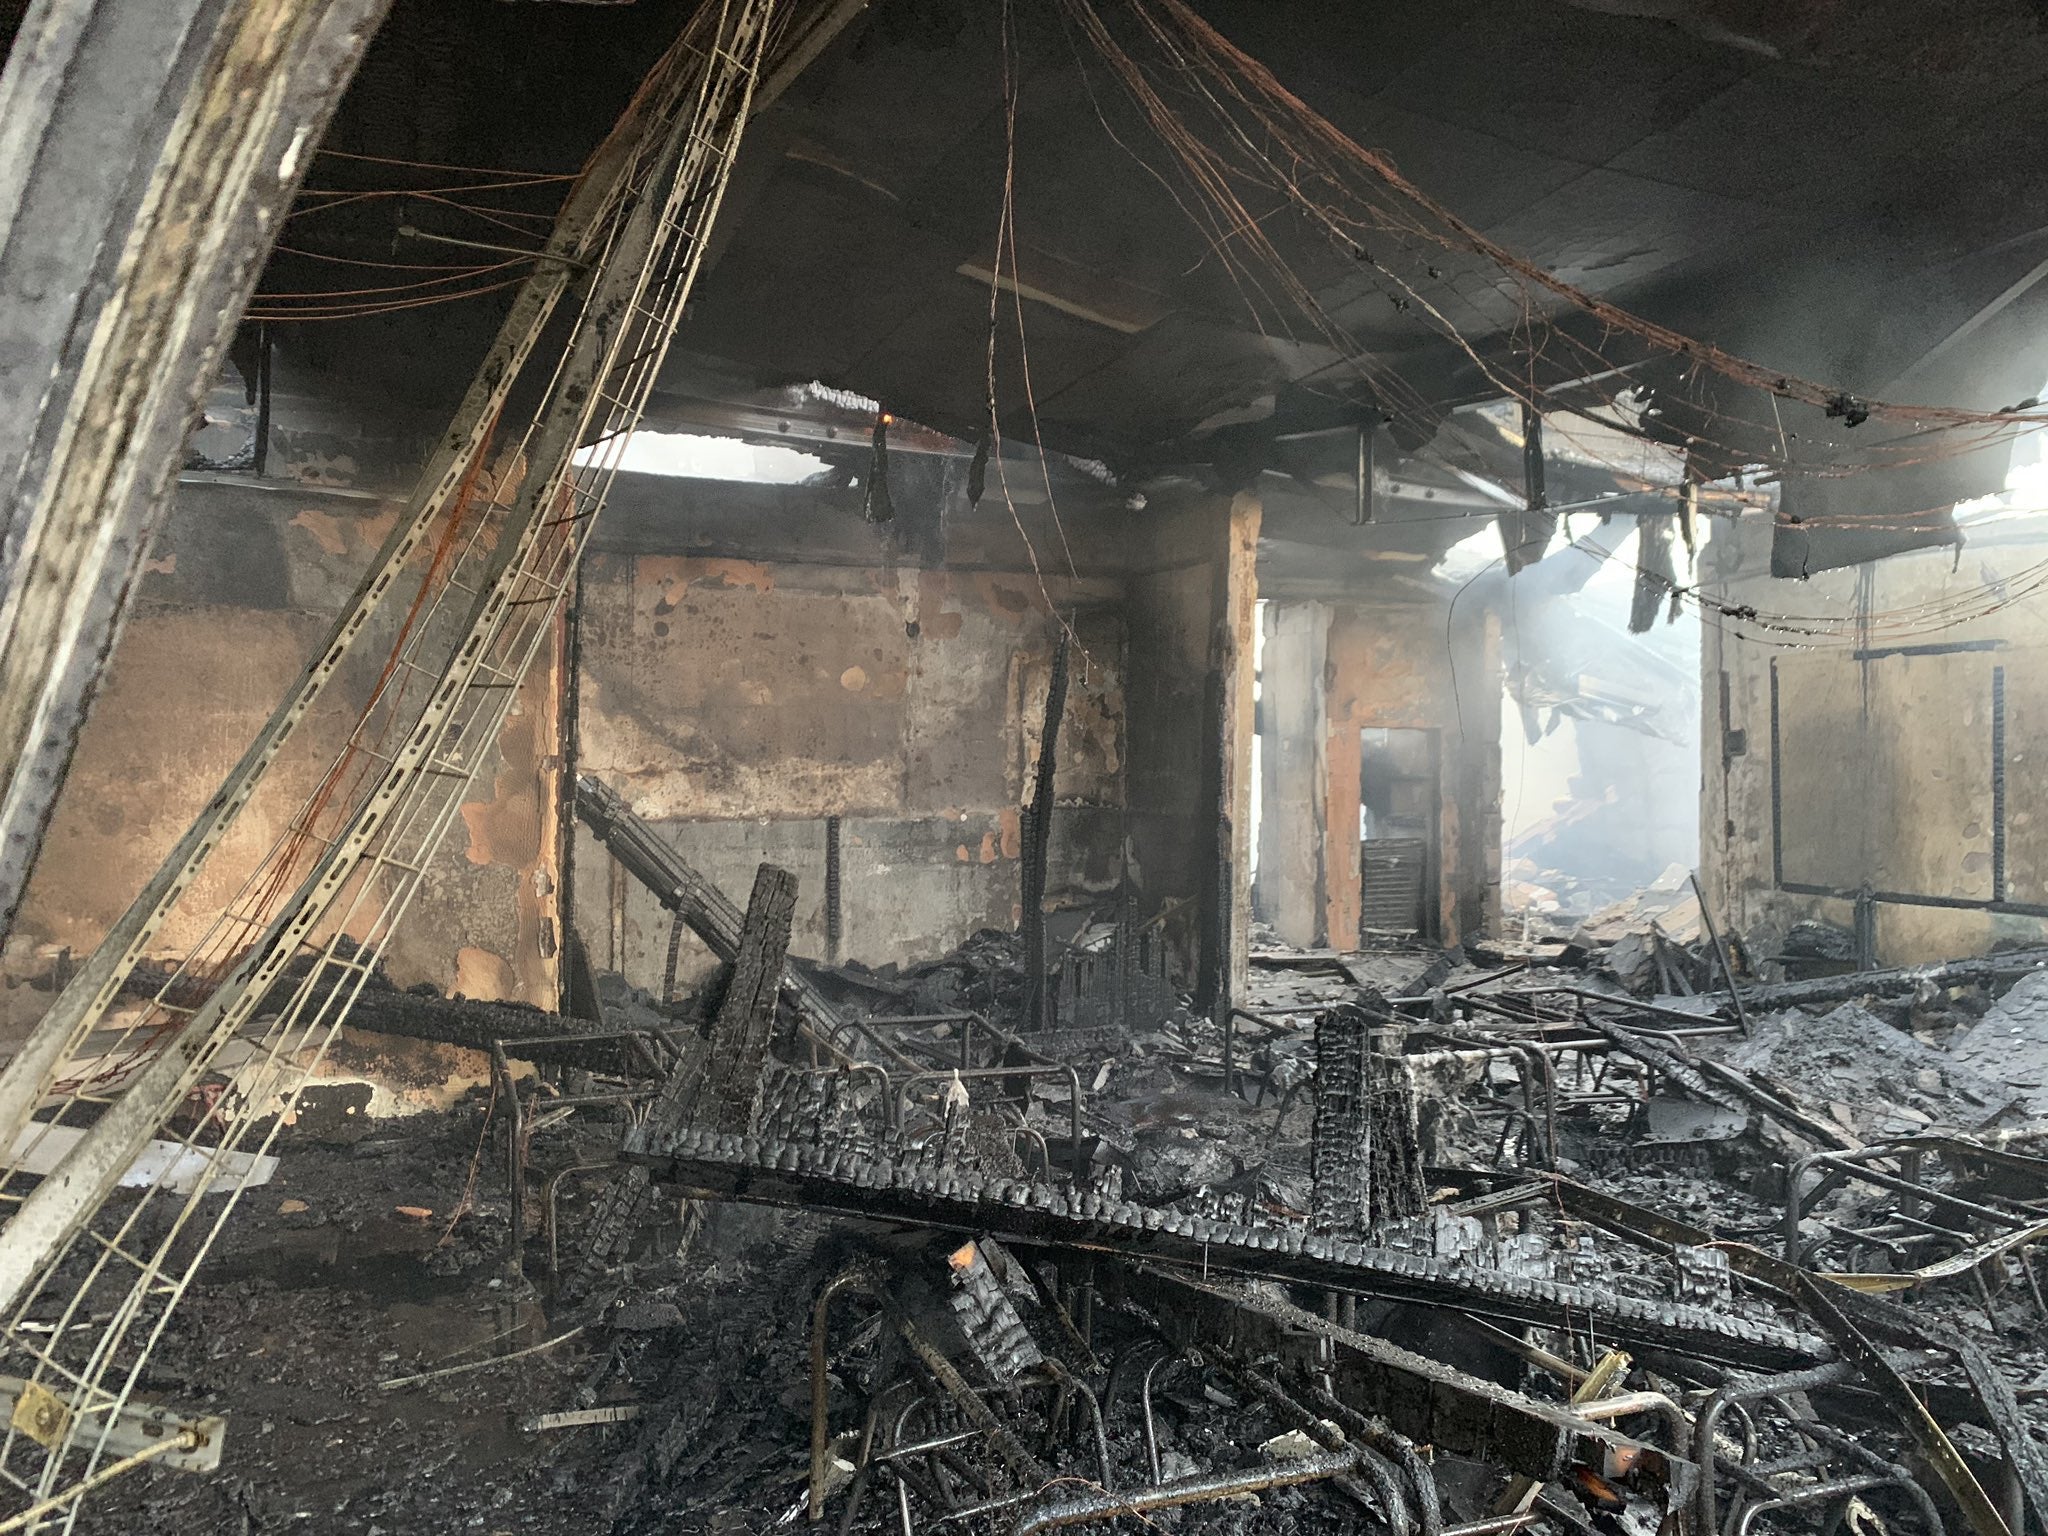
<point x="986" y="765"/>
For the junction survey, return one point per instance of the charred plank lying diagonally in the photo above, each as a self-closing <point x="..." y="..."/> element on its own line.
<point x="680" y="887"/>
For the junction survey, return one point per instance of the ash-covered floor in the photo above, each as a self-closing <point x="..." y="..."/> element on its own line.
<point x="364" y="1327"/>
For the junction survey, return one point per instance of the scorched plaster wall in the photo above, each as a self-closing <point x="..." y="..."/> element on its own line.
<point x="755" y="660"/>
<point x="1891" y="764"/>
<point x="241" y="587"/>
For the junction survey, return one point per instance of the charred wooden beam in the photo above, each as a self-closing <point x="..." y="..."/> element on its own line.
<point x="848" y="1181"/>
<point x="527" y="1033"/>
<point x="682" y="889"/>
<point x="718" y="1082"/>
<point x="746" y="1016"/>
<point x="1038" y="843"/>
<point x="1364" y="1162"/>
<point x="1891" y="983"/>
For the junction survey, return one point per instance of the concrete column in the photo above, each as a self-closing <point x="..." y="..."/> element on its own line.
<point x="1190" y="607"/>
<point x="1293" y="789"/>
<point x="1237" y="622"/>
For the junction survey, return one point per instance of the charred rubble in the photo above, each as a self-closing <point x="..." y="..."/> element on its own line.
<point x="1413" y="1240"/>
<point x="922" y="765"/>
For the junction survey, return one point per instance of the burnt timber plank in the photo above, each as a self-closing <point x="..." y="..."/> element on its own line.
<point x="720" y="1082"/>
<point x="746" y="1015"/>
<point x="842" y="1181"/>
<point x="679" y="886"/>
<point x="1038" y="841"/>
<point x="526" y="1032"/>
<point x="1822" y="990"/>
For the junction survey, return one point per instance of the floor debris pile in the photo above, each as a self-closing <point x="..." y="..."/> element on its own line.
<point x="1405" y="1241"/>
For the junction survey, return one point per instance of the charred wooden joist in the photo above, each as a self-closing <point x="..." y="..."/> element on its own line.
<point x="851" y="1182"/>
<point x="746" y="1015"/>
<point x="1038" y="843"/>
<point x="527" y="1033"/>
<point x="1893" y="982"/>
<point x="718" y="1084"/>
<point x="680" y="887"/>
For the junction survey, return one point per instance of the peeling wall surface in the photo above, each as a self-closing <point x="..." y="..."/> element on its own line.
<point x="1393" y="666"/>
<point x="737" y="703"/>
<point x="240" y="588"/>
<point x="1892" y="768"/>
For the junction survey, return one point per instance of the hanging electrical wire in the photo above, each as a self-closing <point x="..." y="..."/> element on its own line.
<point x="1006" y="255"/>
<point x="1820" y="631"/>
<point x="283" y="965"/>
<point x="1262" y="157"/>
<point x="440" y="165"/>
<point x="482" y="195"/>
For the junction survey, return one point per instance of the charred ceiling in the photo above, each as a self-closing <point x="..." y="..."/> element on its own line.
<point x="1837" y="194"/>
<point x="1727" y="189"/>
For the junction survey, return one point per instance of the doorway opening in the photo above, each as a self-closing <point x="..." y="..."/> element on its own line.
<point x="1400" y="799"/>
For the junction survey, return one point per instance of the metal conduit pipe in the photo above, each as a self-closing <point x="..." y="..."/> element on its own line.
<point x="1705" y="1516"/>
<point x="1376" y="1436"/>
<point x="1747" y="1421"/>
<point x="1845" y="1166"/>
<point x="1857" y="1451"/>
<point x="550" y="1219"/>
<point x="935" y="1443"/>
<point x="1534" y="1063"/>
<point x="1074" y="1384"/>
<point x="1817" y="1494"/>
<point x="1052" y="1514"/>
<point x="864" y="1464"/>
<point x="1674" y="1417"/>
<point x="903" y="1505"/>
<point x="869" y="1025"/>
<point x="1145" y="1399"/>
<point x="1677" y="1424"/>
<point x="1386" y="1481"/>
<point x="858" y="1277"/>
<point x="1080" y="1154"/>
